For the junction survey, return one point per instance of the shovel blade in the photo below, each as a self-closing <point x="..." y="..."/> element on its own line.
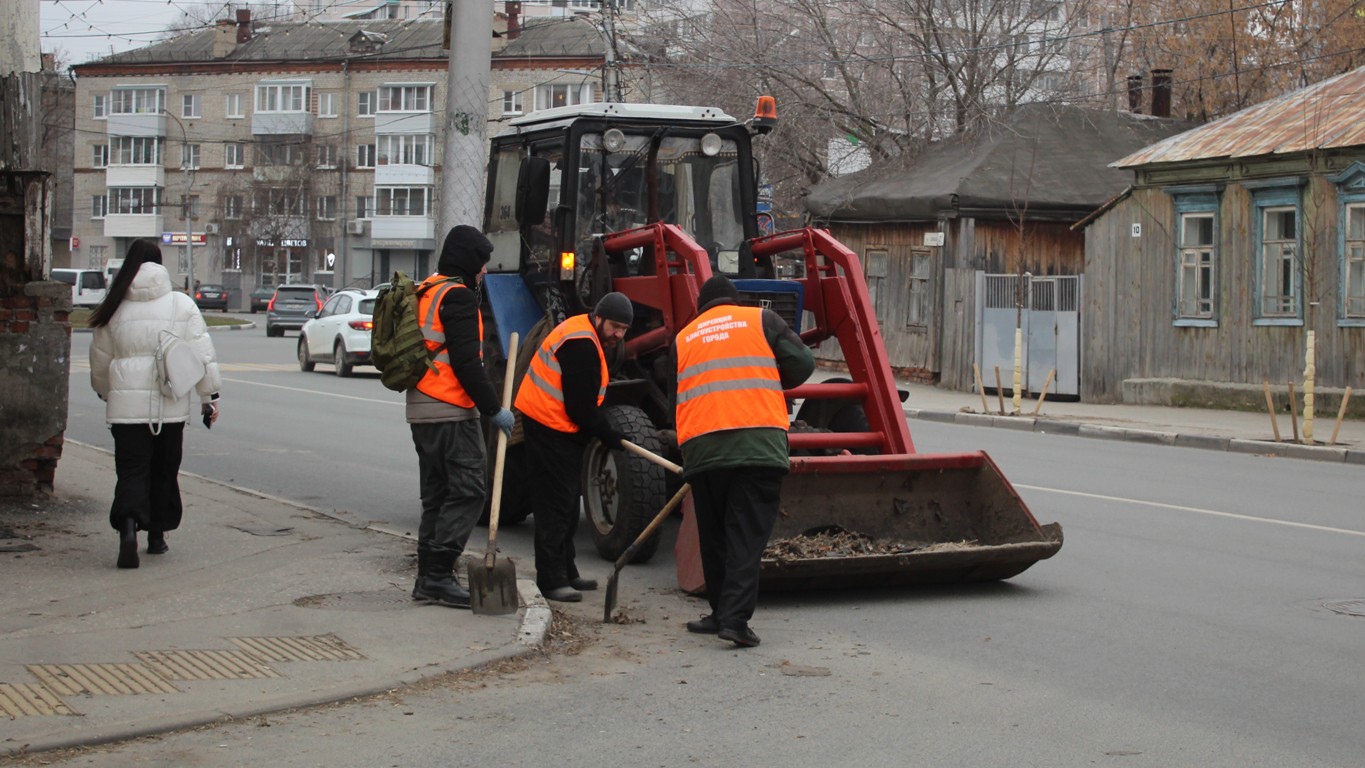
<point x="493" y="591"/>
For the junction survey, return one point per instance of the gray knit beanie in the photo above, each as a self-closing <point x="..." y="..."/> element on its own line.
<point x="615" y="306"/>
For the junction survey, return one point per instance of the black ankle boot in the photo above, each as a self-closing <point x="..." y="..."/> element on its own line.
<point x="127" y="544"/>
<point x="439" y="585"/>
<point x="156" y="543"/>
<point x="423" y="565"/>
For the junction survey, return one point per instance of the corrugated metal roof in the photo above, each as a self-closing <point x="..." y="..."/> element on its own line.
<point x="1328" y="115"/>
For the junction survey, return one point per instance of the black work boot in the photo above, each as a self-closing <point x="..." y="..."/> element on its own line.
<point x="156" y="543"/>
<point x="706" y="625"/>
<point x="127" y="544"/>
<point x="439" y="585"/>
<point x="423" y="565"/>
<point x="739" y="634"/>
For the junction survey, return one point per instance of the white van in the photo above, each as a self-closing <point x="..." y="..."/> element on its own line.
<point x="111" y="269"/>
<point x="87" y="285"/>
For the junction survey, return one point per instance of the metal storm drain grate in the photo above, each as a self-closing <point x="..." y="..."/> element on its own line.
<point x="306" y="648"/>
<point x="205" y="665"/>
<point x="107" y="679"/>
<point x="1346" y="607"/>
<point x="23" y="699"/>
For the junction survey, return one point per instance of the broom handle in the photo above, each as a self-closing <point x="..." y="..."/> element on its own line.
<point x="651" y="456"/>
<point x="499" y="454"/>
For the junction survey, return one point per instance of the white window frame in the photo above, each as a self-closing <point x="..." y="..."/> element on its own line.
<point x="547" y="96"/>
<point x="409" y="97"/>
<point x="365" y="103"/>
<point x="283" y="98"/>
<point x="1196" y="276"/>
<point x="511" y="103"/>
<point x="233" y="205"/>
<point x="326" y="155"/>
<point x="410" y="201"/>
<point x="403" y="149"/>
<point x="327" y="104"/>
<point x="327" y="207"/>
<point x="364" y="206"/>
<point x="191" y="106"/>
<point x="365" y="156"/>
<point x="135" y="150"/>
<point x="234" y="155"/>
<point x="99" y="107"/>
<point x="1353" y="263"/>
<point x="140" y="200"/>
<point x="99" y="155"/>
<point x="232" y="105"/>
<point x="138" y="101"/>
<point x="190" y="157"/>
<point x="1279" y="274"/>
<point x="99" y="206"/>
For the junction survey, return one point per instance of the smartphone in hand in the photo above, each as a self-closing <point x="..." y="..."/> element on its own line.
<point x="207" y="410"/>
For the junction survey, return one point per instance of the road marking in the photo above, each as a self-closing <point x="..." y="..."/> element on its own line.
<point x="313" y="392"/>
<point x="1196" y="510"/>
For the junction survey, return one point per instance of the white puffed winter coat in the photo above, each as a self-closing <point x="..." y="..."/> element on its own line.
<point x="123" y="353"/>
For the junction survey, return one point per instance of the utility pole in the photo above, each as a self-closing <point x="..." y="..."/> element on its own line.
<point x="466" y="115"/>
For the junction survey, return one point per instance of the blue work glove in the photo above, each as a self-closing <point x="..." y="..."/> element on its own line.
<point x="504" y="420"/>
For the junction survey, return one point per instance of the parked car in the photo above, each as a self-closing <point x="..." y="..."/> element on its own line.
<point x="340" y="334"/>
<point x="292" y="306"/>
<point x="260" y="298"/>
<point x="87" y="285"/>
<point x="211" y="296"/>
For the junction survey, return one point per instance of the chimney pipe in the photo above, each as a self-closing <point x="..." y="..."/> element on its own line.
<point x="513" y="20"/>
<point x="1135" y="94"/>
<point x="1161" y="92"/>
<point x="243" y="25"/>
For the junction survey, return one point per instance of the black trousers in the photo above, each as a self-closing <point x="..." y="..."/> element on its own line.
<point x="736" y="510"/>
<point x="555" y="460"/>
<point x="148" y="470"/>
<point x="451" y="464"/>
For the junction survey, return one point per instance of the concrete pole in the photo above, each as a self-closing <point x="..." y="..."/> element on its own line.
<point x="466" y="116"/>
<point x="20" y="29"/>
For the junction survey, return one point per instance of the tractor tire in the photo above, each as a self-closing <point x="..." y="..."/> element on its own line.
<point x="622" y="492"/>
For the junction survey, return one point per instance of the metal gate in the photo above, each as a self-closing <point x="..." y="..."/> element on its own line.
<point x="1050" y="318"/>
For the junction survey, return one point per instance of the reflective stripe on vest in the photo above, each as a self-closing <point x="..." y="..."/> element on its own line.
<point x="541" y="395"/>
<point x="441" y="383"/>
<point x="727" y="375"/>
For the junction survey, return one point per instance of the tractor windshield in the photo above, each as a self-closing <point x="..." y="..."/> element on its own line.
<point x="697" y="191"/>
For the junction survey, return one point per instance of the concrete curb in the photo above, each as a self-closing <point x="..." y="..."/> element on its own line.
<point x="1152" y="437"/>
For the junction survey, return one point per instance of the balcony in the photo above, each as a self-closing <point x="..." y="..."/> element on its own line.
<point x="404" y="232"/>
<point x="145" y="124"/>
<point x="386" y="175"/>
<point x="133" y="225"/>
<point x="404" y="122"/>
<point x="282" y="123"/>
<point x="135" y="176"/>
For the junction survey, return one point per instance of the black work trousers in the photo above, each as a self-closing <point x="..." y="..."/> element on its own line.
<point x="148" y="471"/>
<point x="736" y="510"/>
<point x="555" y="461"/>
<point x="451" y="466"/>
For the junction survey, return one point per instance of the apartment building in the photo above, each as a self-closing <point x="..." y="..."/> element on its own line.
<point x="295" y="151"/>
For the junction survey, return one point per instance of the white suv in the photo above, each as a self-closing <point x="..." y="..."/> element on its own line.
<point x="340" y="332"/>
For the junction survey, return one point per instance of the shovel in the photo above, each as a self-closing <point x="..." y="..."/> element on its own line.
<point x="493" y="587"/>
<point x="610" y="601"/>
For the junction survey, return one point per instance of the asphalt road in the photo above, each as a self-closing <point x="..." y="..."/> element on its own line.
<point x="1200" y="614"/>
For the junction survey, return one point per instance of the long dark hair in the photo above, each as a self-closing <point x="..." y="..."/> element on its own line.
<point x="139" y="253"/>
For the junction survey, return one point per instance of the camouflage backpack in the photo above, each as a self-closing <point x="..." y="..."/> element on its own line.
<point x="397" y="348"/>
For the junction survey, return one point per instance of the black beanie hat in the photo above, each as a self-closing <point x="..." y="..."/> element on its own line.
<point x="717" y="287"/>
<point x="464" y="253"/>
<point x="615" y="306"/>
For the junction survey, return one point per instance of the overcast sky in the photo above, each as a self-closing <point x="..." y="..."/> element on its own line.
<point x="90" y="29"/>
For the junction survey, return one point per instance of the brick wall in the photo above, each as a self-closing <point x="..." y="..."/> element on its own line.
<point x="35" y="367"/>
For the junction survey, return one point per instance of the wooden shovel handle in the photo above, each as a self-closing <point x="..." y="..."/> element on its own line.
<point x="499" y="454"/>
<point x="651" y="456"/>
<point x="653" y="524"/>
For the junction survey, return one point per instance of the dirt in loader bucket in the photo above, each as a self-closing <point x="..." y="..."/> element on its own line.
<point x="910" y="519"/>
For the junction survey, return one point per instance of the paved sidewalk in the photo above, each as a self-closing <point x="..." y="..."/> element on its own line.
<point x="260" y="605"/>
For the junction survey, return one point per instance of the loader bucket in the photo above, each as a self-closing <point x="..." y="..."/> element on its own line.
<point x="856" y="521"/>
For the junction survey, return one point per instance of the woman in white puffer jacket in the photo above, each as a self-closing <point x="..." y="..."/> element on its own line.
<point x="148" y="428"/>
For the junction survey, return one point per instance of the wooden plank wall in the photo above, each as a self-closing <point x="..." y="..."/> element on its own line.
<point x="1127" y="326"/>
<point x="959" y="330"/>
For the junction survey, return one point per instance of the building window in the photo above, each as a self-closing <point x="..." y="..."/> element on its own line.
<point x="511" y="102"/>
<point x="327" y="208"/>
<point x="279" y="153"/>
<point x="920" y="303"/>
<point x="233" y="105"/>
<point x="398" y="149"/>
<point x="98" y="253"/>
<point x="364" y="156"/>
<point x="139" y="101"/>
<point x="135" y="150"/>
<point x="99" y="156"/>
<point x="134" y="200"/>
<point x="194" y="207"/>
<point x="564" y="95"/>
<point x="234" y="156"/>
<point x="1278" y="262"/>
<point x="189" y="105"/>
<point x="405" y="98"/>
<point x="1196" y="258"/>
<point x="280" y="202"/>
<point x="365" y="103"/>
<point x="101" y="106"/>
<point x="1353" y="264"/>
<point x="232" y="207"/>
<point x="189" y="157"/>
<point x="401" y="201"/>
<point x="327" y="105"/>
<point x="364" y="206"/>
<point x="99" y="206"/>
<point x="282" y="97"/>
<point x="327" y="155"/>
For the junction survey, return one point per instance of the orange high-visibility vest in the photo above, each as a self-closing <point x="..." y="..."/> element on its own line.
<point x="727" y="375"/>
<point x="441" y="383"/>
<point x="541" y="395"/>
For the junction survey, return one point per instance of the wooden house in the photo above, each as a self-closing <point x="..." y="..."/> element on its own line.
<point x="1236" y="242"/>
<point x="1002" y="201"/>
